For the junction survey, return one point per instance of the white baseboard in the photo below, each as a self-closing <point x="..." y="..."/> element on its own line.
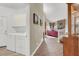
<point x="37" y="47"/>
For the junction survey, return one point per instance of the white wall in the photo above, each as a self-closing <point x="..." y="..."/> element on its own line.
<point x="36" y="31"/>
<point x="20" y="16"/>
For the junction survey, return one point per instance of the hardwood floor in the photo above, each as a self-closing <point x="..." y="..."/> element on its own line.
<point x="50" y="47"/>
<point x="5" y="52"/>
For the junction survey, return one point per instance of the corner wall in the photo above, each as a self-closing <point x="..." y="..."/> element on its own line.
<point x="36" y="31"/>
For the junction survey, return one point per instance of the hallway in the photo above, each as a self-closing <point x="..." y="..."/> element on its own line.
<point x="50" y="47"/>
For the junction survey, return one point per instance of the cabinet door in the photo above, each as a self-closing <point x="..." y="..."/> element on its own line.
<point x="21" y="44"/>
<point x="2" y="40"/>
<point x="11" y="43"/>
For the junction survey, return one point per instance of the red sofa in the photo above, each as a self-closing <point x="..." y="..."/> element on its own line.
<point x="52" y="33"/>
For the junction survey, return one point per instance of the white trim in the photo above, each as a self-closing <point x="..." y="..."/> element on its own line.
<point x="37" y="47"/>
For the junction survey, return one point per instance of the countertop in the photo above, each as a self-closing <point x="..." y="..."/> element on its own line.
<point x="22" y="34"/>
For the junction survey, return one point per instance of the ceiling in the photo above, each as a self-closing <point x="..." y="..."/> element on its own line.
<point x="14" y="5"/>
<point x="55" y="11"/>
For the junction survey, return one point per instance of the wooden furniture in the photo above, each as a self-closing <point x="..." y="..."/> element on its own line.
<point x="70" y="46"/>
<point x="70" y="43"/>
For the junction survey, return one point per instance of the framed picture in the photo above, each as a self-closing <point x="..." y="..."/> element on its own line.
<point x="41" y="22"/>
<point x="52" y="25"/>
<point x="61" y="24"/>
<point x="35" y="18"/>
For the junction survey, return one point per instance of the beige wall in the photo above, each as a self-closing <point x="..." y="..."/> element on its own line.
<point x="47" y="24"/>
<point x="36" y="31"/>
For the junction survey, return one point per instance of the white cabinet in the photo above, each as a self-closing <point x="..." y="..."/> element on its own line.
<point x="11" y="43"/>
<point x="3" y="40"/>
<point x="18" y="43"/>
<point x="21" y="44"/>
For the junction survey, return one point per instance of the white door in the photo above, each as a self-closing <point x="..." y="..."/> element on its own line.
<point x="3" y="27"/>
